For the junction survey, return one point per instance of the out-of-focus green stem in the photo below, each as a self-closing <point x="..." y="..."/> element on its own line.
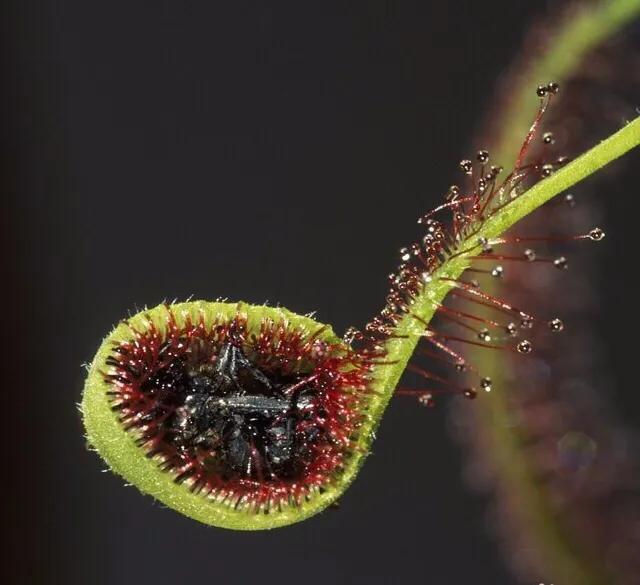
<point x="586" y="28"/>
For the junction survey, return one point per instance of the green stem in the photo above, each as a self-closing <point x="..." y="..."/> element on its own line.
<point x="409" y="330"/>
<point x="577" y="35"/>
<point x="583" y="29"/>
<point x="608" y="150"/>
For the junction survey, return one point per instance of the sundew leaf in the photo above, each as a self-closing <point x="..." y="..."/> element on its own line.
<point x="130" y="356"/>
<point x="122" y="450"/>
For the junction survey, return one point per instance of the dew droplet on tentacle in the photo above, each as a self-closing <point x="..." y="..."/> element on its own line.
<point x="556" y="325"/>
<point x="483" y="335"/>
<point x="485" y="384"/>
<point x="466" y="166"/>
<point x="470" y="393"/>
<point x="561" y="263"/>
<point x="426" y="400"/>
<point x="524" y="346"/>
<point x="547" y="170"/>
<point x="483" y="156"/>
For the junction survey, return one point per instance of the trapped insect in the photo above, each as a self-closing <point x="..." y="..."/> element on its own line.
<point x="231" y="404"/>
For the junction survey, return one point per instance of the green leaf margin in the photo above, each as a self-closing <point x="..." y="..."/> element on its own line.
<point x="117" y="446"/>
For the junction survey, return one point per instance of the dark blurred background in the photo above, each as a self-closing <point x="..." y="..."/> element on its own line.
<point x="258" y="151"/>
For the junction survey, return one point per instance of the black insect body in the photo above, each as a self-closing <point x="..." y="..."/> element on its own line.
<point x="245" y="423"/>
